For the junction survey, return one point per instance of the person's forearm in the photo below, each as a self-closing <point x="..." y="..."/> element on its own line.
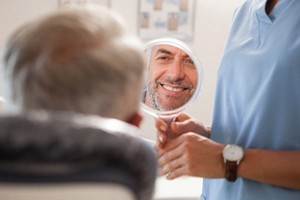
<point x="281" y="168"/>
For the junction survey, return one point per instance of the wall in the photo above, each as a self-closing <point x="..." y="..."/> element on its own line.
<point x="211" y="24"/>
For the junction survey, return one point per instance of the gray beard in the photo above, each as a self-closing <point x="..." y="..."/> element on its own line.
<point x="154" y="100"/>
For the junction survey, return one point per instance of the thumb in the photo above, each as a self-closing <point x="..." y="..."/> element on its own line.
<point x="184" y="127"/>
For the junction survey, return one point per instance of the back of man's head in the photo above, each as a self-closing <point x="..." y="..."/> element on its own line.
<point x="78" y="60"/>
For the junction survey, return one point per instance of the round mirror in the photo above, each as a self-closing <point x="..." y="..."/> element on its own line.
<point x="173" y="77"/>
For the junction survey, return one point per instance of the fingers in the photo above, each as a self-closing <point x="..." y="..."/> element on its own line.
<point x="170" y="146"/>
<point x="182" y="117"/>
<point x="175" y="169"/>
<point x="177" y="127"/>
<point x="168" y="166"/>
<point x="161" y="133"/>
<point x="188" y="125"/>
<point x="183" y="123"/>
<point x="182" y="127"/>
<point x="180" y="171"/>
<point x="175" y="158"/>
<point x="172" y="164"/>
<point x="170" y="158"/>
<point x="161" y="139"/>
<point x="161" y="125"/>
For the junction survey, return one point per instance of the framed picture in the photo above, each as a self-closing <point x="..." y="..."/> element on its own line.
<point x="64" y="3"/>
<point x="166" y="18"/>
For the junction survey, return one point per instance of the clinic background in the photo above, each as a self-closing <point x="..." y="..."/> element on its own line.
<point x="212" y="20"/>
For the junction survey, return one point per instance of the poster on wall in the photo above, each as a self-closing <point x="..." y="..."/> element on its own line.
<point x="166" y="18"/>
<point x="69" y="3"/>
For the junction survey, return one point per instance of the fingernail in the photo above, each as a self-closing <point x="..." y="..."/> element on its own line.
<point x="161" y="138"/>
<point x="162" y="128"/>
<point x="169" y="177"/>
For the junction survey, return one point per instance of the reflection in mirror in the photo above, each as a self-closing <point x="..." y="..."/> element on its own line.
<point x="173" y="76"/>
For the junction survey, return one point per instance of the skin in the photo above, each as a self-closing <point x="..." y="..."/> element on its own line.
<point x="172" y="78"/>
<point x="270" y="5"/>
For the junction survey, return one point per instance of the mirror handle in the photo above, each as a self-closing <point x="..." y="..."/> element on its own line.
<point x="169" y="119"/>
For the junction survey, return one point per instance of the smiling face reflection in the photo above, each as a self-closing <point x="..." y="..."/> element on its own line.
<point x="172" y="78"/>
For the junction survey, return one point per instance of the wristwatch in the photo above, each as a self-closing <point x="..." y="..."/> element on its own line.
<point x="232" y="155"/>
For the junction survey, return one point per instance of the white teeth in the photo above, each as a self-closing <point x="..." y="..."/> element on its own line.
<point x="172" y="89"/>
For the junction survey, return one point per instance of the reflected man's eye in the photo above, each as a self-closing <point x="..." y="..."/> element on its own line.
<point x="164" y="59"/>
<point x="189" y="62"/>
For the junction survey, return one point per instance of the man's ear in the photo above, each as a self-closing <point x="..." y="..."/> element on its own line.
<point x="135" y="119"/>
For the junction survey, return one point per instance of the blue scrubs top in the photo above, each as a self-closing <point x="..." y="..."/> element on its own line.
<point x="257" y="102"/>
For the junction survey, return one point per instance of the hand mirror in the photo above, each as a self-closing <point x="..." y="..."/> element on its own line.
<point x="173" y="77"/>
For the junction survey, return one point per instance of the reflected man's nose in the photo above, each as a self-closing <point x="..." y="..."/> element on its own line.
<point x="176" y="69"/>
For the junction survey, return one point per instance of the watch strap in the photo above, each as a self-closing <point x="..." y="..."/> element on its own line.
<point x="231" y="170"/>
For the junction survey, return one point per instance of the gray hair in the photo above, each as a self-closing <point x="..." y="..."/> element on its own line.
<point x="75" y="60"/>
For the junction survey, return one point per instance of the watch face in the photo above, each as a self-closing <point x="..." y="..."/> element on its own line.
<point x="233" y="153"/>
